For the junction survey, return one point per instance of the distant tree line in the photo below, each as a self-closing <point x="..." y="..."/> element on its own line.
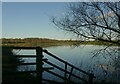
<point x="46" y="42"/>
<point x="32" y="40"/>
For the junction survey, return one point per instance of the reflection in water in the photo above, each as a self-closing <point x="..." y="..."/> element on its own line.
<point x="103" y="63"/>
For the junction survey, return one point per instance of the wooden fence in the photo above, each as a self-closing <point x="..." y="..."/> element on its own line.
<point x="40" y="60"/>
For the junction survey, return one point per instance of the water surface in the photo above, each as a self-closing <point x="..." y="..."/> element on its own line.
<point x="90" y="58"/>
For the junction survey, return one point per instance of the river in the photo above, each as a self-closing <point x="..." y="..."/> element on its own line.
<point x="90" y="58"/>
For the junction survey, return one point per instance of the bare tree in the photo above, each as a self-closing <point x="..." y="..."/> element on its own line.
<point x="92" y="20"/>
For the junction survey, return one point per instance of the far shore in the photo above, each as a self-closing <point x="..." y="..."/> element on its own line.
<point x="45" y="42"/>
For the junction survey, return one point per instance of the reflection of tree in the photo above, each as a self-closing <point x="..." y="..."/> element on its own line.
<point x="116" y="60"/>
<point x="111" y="54"/>
<point x="109" y="68"/>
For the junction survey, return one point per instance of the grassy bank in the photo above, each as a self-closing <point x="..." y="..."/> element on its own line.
<point x="43" y="42"/>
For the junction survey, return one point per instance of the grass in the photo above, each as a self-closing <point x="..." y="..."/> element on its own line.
<point x="43" y="42"/>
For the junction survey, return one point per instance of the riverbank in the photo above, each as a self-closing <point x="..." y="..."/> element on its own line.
<point x="45" y="42"/>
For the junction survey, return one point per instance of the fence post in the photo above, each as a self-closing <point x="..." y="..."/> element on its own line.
<point x="39" y="68"/>
<point x="91" y="79"/>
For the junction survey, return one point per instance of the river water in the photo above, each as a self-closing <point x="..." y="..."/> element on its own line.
<point x="102" y="61"/>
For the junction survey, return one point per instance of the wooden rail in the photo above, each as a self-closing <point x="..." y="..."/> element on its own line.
<point x="91" y="76"/>
<point x="40" y="60"/>
<point x="64" y="62"/>
<point x="66" y="72"/>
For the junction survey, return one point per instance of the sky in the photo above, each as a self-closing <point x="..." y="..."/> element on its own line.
<point x="57" y="0"/>
<point x="0" y="19"/>
<point x="32" y="19"/>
